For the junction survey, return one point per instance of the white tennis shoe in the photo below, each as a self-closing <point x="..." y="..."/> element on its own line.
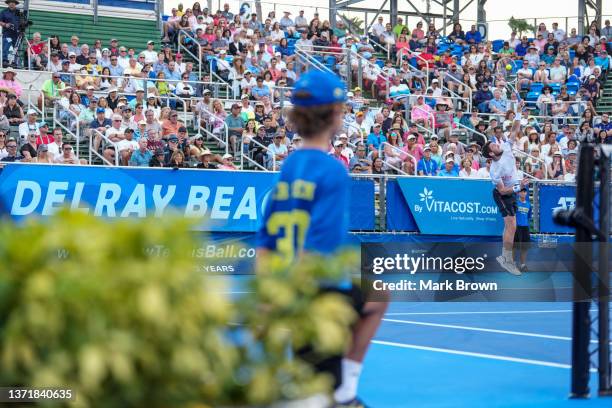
<point x="509" y="266"/>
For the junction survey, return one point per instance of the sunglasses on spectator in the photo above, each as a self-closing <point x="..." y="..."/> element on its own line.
<point x="11" y="146"/>
<point x="67" y="148"/>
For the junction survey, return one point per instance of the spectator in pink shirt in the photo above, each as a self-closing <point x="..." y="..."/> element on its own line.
<point x="421" y="112"/>
<point x="413" y="148"/>
<point x="8" y="81"/>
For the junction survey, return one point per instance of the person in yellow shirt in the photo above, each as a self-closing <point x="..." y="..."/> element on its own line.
<point x="50" y="90"/>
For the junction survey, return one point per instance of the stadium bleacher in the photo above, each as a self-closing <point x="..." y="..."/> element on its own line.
<point x="430" y="86"/>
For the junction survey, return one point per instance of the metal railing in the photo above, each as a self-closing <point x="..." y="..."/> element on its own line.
<point x="306" y="58"/>
<point x="350" y="125"/>
<point x="92" y="151"/>
<point x="429" y="115"/>
<point x="401" y="153"/>
<point x="254" y="162"/>
<point x="473" y="132"/>
<point x="181" y="36"/>
<point x="57" y="121"/>
<point x="146" y="83"/>
<point x="538" y="159"/>
<point x="454" y="95"/>
<point x="210" y="134"/>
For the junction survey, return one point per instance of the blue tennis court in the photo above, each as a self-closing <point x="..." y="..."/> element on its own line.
<point x="470" y="354"/>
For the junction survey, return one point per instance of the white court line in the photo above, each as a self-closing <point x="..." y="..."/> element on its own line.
<point x="480" y="355"/>
<point x="482" y="329"/>
<point x="478" y="312"/>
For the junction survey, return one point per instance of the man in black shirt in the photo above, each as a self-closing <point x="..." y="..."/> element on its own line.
<point x="258" y="145"/>
<point x="9" y="21"/>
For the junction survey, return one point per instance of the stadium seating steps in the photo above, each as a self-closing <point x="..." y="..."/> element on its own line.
<point x="129" y="32"/>
<point x="604" y="105"/>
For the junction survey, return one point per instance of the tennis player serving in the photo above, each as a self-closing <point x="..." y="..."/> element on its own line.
<point x="307" y="213"/>
<point x="507" y="185"/>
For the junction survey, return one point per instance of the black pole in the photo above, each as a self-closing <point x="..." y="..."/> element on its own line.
<point x="581" y="323"/>
<point x="603" y="292"/>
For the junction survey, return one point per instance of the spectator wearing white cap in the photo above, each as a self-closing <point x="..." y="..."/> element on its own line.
<point x="427" y="166"/>
<point x="227" y="161"/>
<point x="337" y="153"/>
<point x="449" y="169"/>
<point x="29" y="126"/>
<point x="248" y="82"/>
<point x="346" y="150"/>
<point x="73" y="66"/>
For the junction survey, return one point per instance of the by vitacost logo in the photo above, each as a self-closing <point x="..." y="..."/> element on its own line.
<point x="443" y="206"/>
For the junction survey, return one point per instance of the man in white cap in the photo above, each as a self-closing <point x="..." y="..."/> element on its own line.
<point x="29" y="126"/>
<point x="9" y="21"/>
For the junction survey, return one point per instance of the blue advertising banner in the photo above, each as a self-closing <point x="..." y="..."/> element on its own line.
<point x="553" y="197"/>
<point x="225" y="201"/>
<point x="361" y="210"/>
<point x="452" y="206"/>
<point x="398" y="214"/>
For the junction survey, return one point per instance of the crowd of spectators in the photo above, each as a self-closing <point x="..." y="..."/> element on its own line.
<point x="133" y="103"/>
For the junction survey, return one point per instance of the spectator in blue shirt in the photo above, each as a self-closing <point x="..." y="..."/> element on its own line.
<point x="473" y="36"/>
<point x="521" y="236"/>
<point x="497" y="104"/>
<point x="114" y="67"/>
<point x="426" y="166"/>
<point x="522" y="48"/>
<point x="260" y="90"/>
<point x="376" y="138"/>
<point x="482" y="97"/>
<point x="100" y="123"/>
<point x="603" y="60"/>
<point x="142" y="156"/>
<point x="449" y="170"/>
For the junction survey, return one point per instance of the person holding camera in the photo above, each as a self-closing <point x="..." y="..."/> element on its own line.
<point x="9" y="21"/>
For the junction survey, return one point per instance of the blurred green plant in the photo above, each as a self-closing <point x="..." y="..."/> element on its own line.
<point x="520" y="25"/>
<point x="124" y="328"/>
<point x="354" y="23"/>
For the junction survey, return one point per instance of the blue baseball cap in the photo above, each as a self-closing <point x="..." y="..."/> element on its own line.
<point x="100" y="110"/>
<point x="316" y="88"/>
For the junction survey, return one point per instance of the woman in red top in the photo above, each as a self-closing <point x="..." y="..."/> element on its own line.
<point x="35" y="46"/>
